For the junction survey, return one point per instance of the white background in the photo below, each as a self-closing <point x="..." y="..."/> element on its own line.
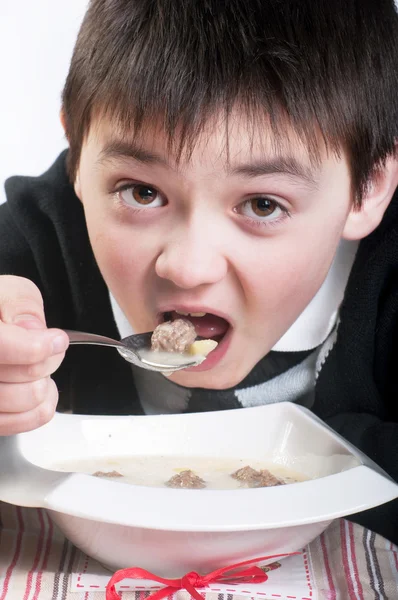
<point x="36" y="42"/>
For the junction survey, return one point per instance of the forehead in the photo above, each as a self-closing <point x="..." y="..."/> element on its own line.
<point x="221" y="138"/>
<point x="237" y="145"/>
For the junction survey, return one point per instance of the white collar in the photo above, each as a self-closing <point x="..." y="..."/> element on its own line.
<point x="316" y="321"/>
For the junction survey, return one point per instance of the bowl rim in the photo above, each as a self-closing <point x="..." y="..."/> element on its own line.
<point x="318" y="500"/>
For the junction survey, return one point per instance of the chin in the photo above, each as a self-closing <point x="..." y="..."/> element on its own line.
<point x="214" y="379"/>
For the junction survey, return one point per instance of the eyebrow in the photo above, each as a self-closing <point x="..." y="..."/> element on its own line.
<point x="118" y="149"/>
<point x="282" y="165"/>
<point x="287" y="165"/>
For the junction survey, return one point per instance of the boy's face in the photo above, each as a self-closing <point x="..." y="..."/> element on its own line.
<point x="249" y="240"/>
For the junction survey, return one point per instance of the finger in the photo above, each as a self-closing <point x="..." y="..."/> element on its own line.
<point x="22" y="397"/>
<point x="20" y="346"/>
<point x="12" y="423"/>
<point x="21" y="299"/>
<point x="13" y="374"/>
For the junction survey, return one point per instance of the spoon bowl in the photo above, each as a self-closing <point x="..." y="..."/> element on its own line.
<point x="136" y="349"/>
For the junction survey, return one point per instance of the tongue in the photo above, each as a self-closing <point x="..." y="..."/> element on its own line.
<point x="209" y="326"/>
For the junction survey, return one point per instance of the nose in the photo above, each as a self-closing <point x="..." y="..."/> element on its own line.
<point x="191" y="258"/>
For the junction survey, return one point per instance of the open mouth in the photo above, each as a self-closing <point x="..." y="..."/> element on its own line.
<point x="207" y="325"/>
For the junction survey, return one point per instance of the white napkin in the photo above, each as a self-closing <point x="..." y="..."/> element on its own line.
<point x="292" y="579"/>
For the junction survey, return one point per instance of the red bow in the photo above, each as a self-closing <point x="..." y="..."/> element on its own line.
<point x="193" y="580"/>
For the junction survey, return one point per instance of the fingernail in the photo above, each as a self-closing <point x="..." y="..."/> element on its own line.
<point x="60" y="344"/>
<point x="29" y="322"/>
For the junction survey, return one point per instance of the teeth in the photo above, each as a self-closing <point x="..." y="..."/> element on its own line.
<point x="186" y="314"/>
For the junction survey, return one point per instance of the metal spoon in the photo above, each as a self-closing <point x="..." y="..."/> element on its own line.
<point x="136" y="349"/>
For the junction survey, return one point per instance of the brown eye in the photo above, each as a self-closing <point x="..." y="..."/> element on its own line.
<point x="139" y="195"/>
<point x="144" y="194"/>
<point x="263" y="207"/>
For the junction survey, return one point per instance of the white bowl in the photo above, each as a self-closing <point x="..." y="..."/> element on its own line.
<point x="173" y="531"/>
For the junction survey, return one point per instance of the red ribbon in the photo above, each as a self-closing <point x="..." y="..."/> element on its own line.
<point x="192" y="580"/>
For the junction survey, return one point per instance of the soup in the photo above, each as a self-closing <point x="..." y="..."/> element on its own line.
<point x="181" y="472"/>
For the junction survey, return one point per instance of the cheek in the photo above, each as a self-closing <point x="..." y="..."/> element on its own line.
<point x="112" y="256"/>
<point x="287" y="276"/>
<point x="291" y="283"/>
<point x="122" y="263"/>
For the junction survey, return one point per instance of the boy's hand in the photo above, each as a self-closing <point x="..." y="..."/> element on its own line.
<point x="29" y="354"/>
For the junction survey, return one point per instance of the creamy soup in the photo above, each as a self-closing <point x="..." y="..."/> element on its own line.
<point x="161" y="471"/>
<point x="171" y="359"/>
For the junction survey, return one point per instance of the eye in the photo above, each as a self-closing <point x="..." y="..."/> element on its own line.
<point x="261" y="208"/>
<point x="140" y="195"/>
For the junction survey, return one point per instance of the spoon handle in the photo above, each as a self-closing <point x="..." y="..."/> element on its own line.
<point x="129" y="348"/>
<point x="79" y="337"/>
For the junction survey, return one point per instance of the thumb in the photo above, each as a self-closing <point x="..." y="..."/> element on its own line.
<point x="21" y="303"/>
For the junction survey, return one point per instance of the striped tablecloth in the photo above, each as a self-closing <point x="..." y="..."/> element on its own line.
<point x="38" y="563"/>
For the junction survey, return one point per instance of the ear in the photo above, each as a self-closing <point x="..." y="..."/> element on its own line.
<point x="77" y="180"/>
<point x="361" y="222"/>
<point x="63" y="120"/>
<point x="77" y="186"/>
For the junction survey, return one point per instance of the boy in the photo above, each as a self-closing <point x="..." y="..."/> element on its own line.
<point x="233" y="162"/>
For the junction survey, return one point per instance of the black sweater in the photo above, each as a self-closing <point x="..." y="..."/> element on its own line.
<point x="43" y="237"/>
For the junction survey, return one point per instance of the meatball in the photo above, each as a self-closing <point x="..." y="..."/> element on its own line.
<point x="107" y="474"/>
<point x="267" y="479"/>
<point x="245" y="474"/>
<point x="173" y="336"/>
<point x="186" y="479"/>
<point x="253" y="479"/>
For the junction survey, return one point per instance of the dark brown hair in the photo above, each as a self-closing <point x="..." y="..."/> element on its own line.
<point x="326" y="66"/>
